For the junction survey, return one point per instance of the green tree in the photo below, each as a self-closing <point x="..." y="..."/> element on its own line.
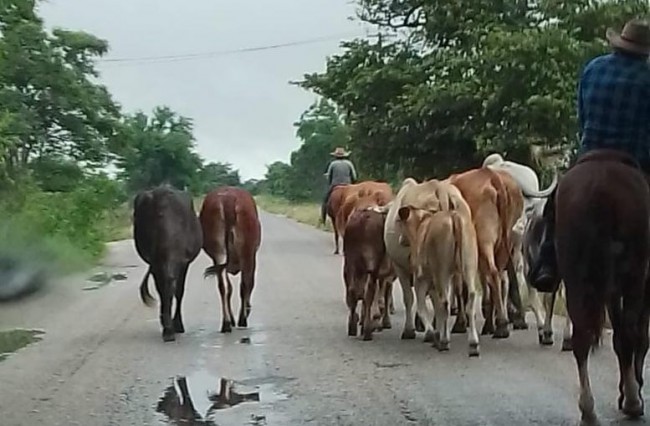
<point x="320" y="129"/>
<point x="214" y="175"/>
<point x="468" y="78"/>
<point x="158" y="149"/>
<point x="47" y="83"/>
<point x="55" y="174"/>
<point x="277" y="179"/>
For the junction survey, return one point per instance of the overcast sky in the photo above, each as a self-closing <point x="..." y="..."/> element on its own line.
<point x="242" y="104"/>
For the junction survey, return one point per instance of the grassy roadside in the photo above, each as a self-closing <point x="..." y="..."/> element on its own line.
<point x="307" y="213"/>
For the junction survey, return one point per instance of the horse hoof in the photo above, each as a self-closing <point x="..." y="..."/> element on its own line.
<point x="567" y="345"/>
<point x="178" y="328"/>
<point x="408" y="335"/>
<point x="243" y="323"/>
<point x="429" y="336"/>
<point x="226" y="327"/>
<point x="386" y="325"/>
<point x="473" y="350"/>
<point x="547" y="338"/>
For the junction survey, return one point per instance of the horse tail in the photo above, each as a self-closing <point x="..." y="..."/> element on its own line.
<point x="599" y="283"/>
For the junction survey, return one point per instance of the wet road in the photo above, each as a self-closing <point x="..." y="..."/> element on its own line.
<point x="102" y="361"/>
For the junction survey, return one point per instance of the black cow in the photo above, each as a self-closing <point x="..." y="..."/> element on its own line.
<point x="168" y="237"/>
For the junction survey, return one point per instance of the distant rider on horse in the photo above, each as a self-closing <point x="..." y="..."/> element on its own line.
<point x="614" y="113"/>
<point x="340" y="171"/>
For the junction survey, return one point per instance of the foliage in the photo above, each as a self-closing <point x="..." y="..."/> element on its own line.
<point x="156" y="150"/>
<point x="320" y="129"/>
<point x="303" y="212"/>
<point x="214" y="175"/>
<point x="51" y="102"/>
<point x="461" y="79"/>
<point x="58" y="128"/>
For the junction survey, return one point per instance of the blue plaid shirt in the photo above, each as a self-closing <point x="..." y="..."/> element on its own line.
<point x="614" y="105"/>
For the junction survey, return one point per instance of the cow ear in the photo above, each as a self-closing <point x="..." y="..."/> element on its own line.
<point x="404" y="213"/>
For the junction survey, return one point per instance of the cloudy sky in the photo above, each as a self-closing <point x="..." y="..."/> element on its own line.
<point x="242" y="104"/>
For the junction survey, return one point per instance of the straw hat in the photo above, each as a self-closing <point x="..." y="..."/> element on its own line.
<point x="340" y="152"/>
<point x="635" y="37"/>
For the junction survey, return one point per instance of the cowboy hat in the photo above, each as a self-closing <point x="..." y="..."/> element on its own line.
<point x="634" y="38"/>
<point x="340" y="152"/>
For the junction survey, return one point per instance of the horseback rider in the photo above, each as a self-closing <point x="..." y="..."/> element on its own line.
<point x="340" y="171"/>
<point x="613" y="108"/>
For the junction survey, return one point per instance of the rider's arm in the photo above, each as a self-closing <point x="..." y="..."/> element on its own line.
<point x="328" y="173"/>
<point x="353" y="172"/>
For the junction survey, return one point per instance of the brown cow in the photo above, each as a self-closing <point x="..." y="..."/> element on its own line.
<point x="379" y="192"/>
<point x="341" y="193"/>
<point x="367" y="271"/>
<point x="231" y="237"/>
<point x="496" y="203"/>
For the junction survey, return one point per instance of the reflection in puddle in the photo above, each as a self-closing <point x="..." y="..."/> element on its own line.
<point x="206" y="404"/>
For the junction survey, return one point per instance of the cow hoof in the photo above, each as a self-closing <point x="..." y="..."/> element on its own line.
<point x="226" y="327"/>
<point x="168" y="336"/>
<point x="633" y="409"/>
<point x="178" y="328"/>
<point x="352" y="329"/>
<point x="429" y="336"/>
<point x="443" y="346"/>
<point x="502" y="331"/>
<point x="408" y="335"/>
<point x="459" y="328"/>
<point x="519" y="324"/>
<point x="386" y="325"/>
<point x="487" y="329"/>
<point x="419" y="325"/>
<point x="567" y="345"/>
<point x="473" y="350"/>
<point x="547" y="338"/>
<point x="367" y="337"/>
<point x="243" y="323"/>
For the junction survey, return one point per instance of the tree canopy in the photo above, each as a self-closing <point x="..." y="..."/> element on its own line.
<point x="448" y="82"/>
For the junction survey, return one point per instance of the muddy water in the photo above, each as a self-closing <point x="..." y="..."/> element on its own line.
<point x="202" y="399"/>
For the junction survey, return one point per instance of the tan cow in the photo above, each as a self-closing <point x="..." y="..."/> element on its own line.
<point x="443" y="255"/>
<point x="429" y="196"/>
<point x="368" y="272"/>
<point x="496" y="203"/>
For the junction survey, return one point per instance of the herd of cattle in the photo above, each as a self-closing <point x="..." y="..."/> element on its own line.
<point x="454" y="242"/>
<point x="449" y="241"/>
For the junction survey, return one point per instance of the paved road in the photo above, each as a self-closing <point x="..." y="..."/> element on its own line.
<point x="102" y="361"/>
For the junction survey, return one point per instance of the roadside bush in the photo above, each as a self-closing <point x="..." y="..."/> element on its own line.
<point x="64" y="229"/>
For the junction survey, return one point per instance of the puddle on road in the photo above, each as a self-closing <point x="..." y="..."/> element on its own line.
<point x="201" y="399"/>
<point x="13" y="340"/>
<point x="102" y="279"/>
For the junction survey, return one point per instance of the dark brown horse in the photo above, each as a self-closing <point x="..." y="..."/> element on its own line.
<point x="603" y="247"/>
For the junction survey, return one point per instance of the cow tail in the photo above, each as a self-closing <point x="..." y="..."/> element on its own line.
<point x="458" y="239"/>
<point x="503" y="198"/>
<point x="144" y="290"/>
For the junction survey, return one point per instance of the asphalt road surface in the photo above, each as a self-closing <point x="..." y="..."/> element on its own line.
<point x="102" y="360"/>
